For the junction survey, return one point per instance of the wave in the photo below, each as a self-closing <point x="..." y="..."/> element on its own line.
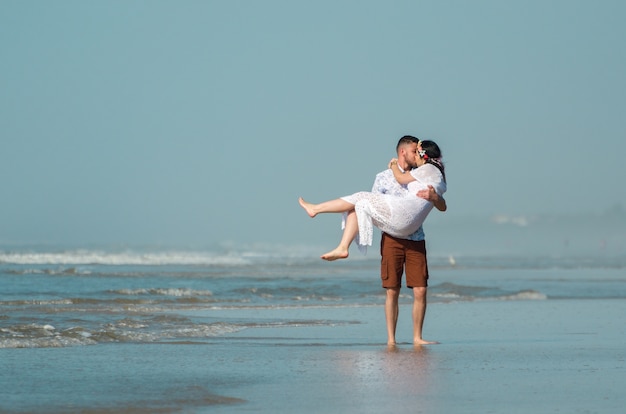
<point x="231" y="254"/>
<point x="221" y="255"/>
<point x="90" y="257"/>
<point x="126" y="330"/>
<point x="164" y="328"/>
<point x="279" y="255"/>
<point x="525" y="295"/>
<point x="447" y="292"/>
<point x="178" y="292"/>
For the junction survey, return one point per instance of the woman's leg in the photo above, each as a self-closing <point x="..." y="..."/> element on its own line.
<point x="349" y="233"/>
<point x="333" y="206"/>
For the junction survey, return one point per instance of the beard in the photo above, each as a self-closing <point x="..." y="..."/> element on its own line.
<point x="410" y="164"/>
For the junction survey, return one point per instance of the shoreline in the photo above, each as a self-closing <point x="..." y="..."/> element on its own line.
<point x="493" y="356"/>
<point x="538" y="356"/>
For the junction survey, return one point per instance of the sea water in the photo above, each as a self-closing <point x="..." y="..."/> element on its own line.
<point x="103" y="311"/>
<point x="90" y="297"/>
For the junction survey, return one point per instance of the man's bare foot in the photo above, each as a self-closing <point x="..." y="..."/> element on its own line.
<point x="308" y="207"/>
<point x="424" y="342"/>
<point x="335" y="254"/>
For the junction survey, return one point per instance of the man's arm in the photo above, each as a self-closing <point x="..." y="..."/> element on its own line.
<point x="378" y="187"/>
<point x="431" y="195"/>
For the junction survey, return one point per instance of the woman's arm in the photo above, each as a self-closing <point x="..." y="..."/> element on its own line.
<point x="400" y="176"/>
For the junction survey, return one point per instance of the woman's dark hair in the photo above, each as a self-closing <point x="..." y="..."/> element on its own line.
<point x="432" y="154"/>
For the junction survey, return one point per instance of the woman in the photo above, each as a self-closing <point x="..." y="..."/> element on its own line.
<point x="397" y="216"/>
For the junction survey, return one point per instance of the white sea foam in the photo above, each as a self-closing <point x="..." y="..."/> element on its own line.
<point x="179" y="292"/>
<point x="526" y="295"/>
<point x="127" y="330"/>
<point x="92" y="257"/>
<point x="223" y="255"/>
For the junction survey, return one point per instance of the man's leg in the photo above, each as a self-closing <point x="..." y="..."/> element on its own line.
<point x="417" y="279"/>
<point x="419" y="312"/>
<point x="391" y="314"/>
<point x="391" y="269"/>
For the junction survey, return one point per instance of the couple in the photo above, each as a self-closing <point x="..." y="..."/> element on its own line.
<point x="400" y="200"/>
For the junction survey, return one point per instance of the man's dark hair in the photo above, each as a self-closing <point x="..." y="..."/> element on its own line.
<point x="407" y="139"/>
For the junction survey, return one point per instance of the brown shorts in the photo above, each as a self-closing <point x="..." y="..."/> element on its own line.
<point x="396" y="254"/>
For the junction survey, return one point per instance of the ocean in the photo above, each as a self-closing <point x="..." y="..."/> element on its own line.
<point x="90" y="297"/>
<point x="77" y="324"/>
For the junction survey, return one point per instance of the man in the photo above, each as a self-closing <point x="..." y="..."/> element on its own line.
<point x="405" y="255"/>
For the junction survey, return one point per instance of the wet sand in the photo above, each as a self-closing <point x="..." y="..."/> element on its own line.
<point x="544" y="356"/>
<point x="513" y="357"/>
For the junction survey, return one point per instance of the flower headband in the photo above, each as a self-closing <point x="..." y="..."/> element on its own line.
<point x="421" y="152"/>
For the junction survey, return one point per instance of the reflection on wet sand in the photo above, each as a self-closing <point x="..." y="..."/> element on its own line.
<point x="404" y="375"/>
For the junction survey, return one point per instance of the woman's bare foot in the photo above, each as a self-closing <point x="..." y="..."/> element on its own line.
<point x="338" y="253"/>
<point x="308" y="207"/>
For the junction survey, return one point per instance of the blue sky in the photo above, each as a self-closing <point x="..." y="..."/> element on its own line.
<point x="193" y="122"/>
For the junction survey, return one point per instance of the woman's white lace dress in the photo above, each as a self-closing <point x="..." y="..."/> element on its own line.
<point x="399" y="216"/>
